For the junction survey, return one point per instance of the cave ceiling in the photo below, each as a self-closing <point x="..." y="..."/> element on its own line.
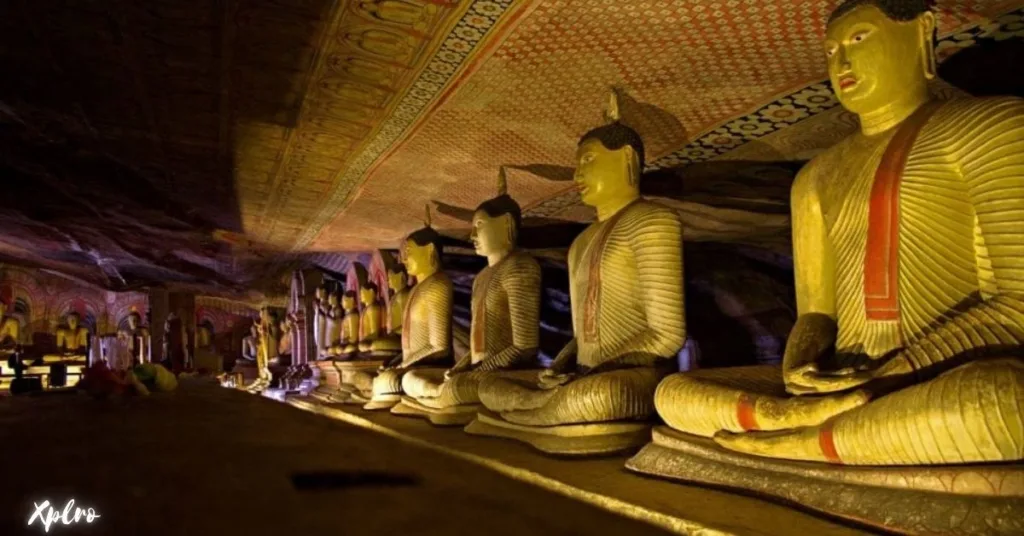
<point x="213" y="145"/>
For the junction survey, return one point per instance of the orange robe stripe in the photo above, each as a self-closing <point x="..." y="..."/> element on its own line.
<point x="592" y="302"/>
<point x="827" y="443"/>
<point x="746" y="412"/>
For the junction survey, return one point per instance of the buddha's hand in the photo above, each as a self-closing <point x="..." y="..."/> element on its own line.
<point x="549" y="379"/>
<point x="808" y="379"/>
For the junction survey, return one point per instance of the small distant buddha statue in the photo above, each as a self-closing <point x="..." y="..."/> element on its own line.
<point x="348" y="344"/>
<point x="73" y="338"/>
<point x="908" y="241"/>
<point x="427" y="325"/>
<point x="398" y="285"/>
<point x="250" y="344"/>
<point x="10" y="328"/>
<point x="284" y="345"/>
<point x="320" y="321"/>
<point x="267" y="347"/>
<point x="626" y="290"/>
<point x="334" y="317"/>
<point x="369" y="318"/>
<point x="138" y="338"/>
<point x="505" y="311"/>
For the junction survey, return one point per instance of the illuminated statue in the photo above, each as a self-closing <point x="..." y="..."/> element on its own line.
<point x="369" y="318"/>
<point x="909" y="255"/>
<point x="267" y="347"/>
<point x="626" y="288"/>
<point x="250" y="344"/>
<point x="138" y="338"/>
<point x="73" y="338"/>
<point x="347" y="344"/>
<point x="427" y="326"/>
<point x="320" y="321"/>
<point x="398" y="284"/>
<point x="505" y="320"/>
<point x="334" y="317"/>
<point x="10" y="328"/>
<point x="284" y="345"/>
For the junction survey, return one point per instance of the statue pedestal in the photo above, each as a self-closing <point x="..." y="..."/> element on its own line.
<point x="330" y="380"/>
<point x="946" y="500"/>
<point x="566" y="440"/>
<point x="357" y="378"/>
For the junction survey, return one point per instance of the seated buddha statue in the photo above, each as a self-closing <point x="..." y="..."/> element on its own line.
<point x="908" y="241"/>
<point x="266" y="351"/>
<point x="72" y="337"/>
<point x="320" y="322"/>
<point x="137" y="337"/>
<point x="391" y="342"/>
<point x="334" y="318"/>
<point x="369" y="317"/>
<point x="250" y="344"/>
<point x="504" y="330"/>
<point x="427" y="326"/>
<point x="10" y="328"/>
<point x="626" y="292"/>
<point x="347" y="344"/>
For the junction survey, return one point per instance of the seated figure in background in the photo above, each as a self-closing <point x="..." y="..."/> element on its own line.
<point x="349" y="340"/>
<point x="391" y="341"/>
<point x="626" y="288"/>
<point x="369" y="318"/>
<point x="908" y="242"/>
<point x="427" y="326"/>
<point x="250" y="344"/>
<point x="320" y="322"/>
<point x="334" y="318"/>
<point x="504" y="332"/>
<point x="10" y="328"/>
<point x="73" y="338"/>
<point x="137" y="337"/>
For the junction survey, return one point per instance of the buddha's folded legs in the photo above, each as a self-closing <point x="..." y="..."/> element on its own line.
<point x="738" y="399"/>
<point x="968" y="415"/>
<point x="388" y="382"/>
<point x="611" y="396"/>
<point x="423" y="383"/>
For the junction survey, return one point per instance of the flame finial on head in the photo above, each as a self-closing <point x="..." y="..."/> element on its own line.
<point x="612" y="114"/>
<point x="502" y="182"/>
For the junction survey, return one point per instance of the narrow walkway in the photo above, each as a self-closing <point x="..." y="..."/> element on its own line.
<point x="602" y="482"/>
<point x="205" y="460"/>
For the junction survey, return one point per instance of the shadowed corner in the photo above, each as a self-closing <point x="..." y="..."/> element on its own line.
<point x="333" y="480"/>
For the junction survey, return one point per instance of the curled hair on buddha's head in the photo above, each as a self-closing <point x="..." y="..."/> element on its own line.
<point x="369" y="285"/>
<point x="615" y="135"/>
<point x="350" y="294"/>
<point x="897" y="10"/>
<point x="503" y="204"/>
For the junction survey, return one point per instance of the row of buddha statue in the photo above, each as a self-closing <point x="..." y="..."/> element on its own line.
<point x="342" y="328"/>
<point x="908" y="242"/>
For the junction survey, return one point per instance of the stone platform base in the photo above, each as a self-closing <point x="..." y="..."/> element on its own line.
<point x="567" y="440"/>
<point x="379" y="402"/>
<point x="938" y="500"/>
<point x="450" y="416"/>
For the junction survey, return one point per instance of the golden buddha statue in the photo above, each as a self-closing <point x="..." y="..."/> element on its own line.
<point x="320" y="321"/>
<point x="10" y="328"/>
<point x="626" y="288"/>
<point x="137" y="337"/>
<point x="334" y="317"/>
<point x="908" y="242"/>
<point x="391" y="342"/>
<point x="267" y="347"/>
<point x="369" y="318"/>
<point x="505" y="311"/>
<point x="427" y="326"/>
<point x="72" y="337"/>
<point x="348" y="343"/>
<point x="284" y="345"/>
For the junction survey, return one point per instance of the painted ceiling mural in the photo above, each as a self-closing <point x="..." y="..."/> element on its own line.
<point x="217" y="145"/>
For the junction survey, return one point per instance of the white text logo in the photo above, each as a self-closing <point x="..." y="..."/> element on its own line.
<point x="48" y="516"/>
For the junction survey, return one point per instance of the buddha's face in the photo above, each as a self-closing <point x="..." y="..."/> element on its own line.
<point x="321" y="293"/>
<point x="367" y="295"/>
<point x="284" y="326"/>
<point x="254" y="331"/>
<point x="203" y="337"/>
<point x="332" y="300"/>
<point x="348" y="302"/>
<point x="73" y="322"/>
<point x="396" y="280"/>
<point x="491" y="236"/>
<point x="603" y="175"/>
<point x="133" y="321"/>
<point x="419" y="259"/>
<point x="874" y="60"/>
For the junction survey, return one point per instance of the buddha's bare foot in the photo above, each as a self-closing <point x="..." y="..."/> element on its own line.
<point x="797" y="444"/>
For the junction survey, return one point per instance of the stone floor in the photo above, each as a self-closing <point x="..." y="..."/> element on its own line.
<point x="670" y="503"/>
<point x="206" y="460"/>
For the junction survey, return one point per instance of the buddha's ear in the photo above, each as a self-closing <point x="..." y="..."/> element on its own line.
<point x="633" y="164"/>
<point x="926" y="23"/>
<point x="510" y="229"/>
<point x="435" y="259"/>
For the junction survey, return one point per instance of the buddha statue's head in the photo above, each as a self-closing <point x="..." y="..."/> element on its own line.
<point x="285" y="326"/>
<point x="880" y="52"/>
<point x="332" y="299"/>
<point x="72" y="320"/>
<point x="422" y="252"/>
<point x="496" y="223"/>
<point x="608" y="162"/>
<point x="134" y="319"/>
<point x="204" y="336"/>
<point x="368" y="294"/>
<point x="254" y="330"/>
<point x="348" y="301"/>
<point x="397" y="278"/>
<point x="321" y="293"/>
